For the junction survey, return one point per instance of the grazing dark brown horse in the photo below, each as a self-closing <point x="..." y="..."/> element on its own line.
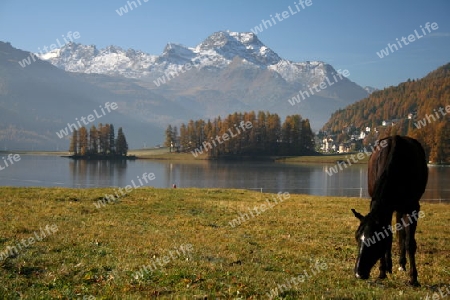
<point x="397" y="177"/>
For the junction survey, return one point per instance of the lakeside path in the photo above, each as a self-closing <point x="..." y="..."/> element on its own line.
<point x="183" y="243"/>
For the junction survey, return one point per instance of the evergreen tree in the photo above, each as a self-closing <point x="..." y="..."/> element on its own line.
<point x="121" y="143"/>
<point x="169" y="138"/>
<point x="112" y="141"/>
<point x="286" y="138"/>
<point x="307" y="142"/>
<point x="101" y="142"/>
<point x="104" y="139"/>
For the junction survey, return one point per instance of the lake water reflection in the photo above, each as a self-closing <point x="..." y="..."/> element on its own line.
<point x="270" y="177"/>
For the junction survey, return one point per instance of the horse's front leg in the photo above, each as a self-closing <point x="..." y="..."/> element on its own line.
<point x="386" y="259"/>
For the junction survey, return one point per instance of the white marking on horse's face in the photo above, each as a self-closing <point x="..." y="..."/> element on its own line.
<point x="363" y="237"/>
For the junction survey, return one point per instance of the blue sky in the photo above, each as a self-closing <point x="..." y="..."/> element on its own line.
<point x="346" y="34"/>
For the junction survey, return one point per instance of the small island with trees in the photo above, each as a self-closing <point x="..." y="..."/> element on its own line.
<point x="99" y="143"/>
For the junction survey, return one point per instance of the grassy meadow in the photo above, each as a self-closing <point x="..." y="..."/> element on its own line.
<point x="191" y="251"/>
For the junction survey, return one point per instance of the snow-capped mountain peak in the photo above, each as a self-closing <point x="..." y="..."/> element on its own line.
<point x="177" y="54"/>
<point x="245" y="45"/>
<point x="218" y="50"/>
<point x="370" y="89"/>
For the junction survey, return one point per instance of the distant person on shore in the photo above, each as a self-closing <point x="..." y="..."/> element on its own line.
<point x="174" y="186"/>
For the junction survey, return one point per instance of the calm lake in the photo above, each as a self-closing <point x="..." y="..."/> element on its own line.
<point x="53" y="171"/>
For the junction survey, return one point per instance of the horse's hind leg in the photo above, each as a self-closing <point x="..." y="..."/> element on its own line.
<point x="401" y="236"/>
<point x="411" y="246"/>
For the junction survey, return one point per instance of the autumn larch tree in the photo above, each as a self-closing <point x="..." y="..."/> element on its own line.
<point x="93" y="140"/>
<point x="83" y="139"/>
<point x="73" y="148"/>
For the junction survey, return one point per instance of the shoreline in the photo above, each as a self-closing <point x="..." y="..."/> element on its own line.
<point x="100" y="157"/>
<point x="189" y="188"/>
<point x="163" y="155"/>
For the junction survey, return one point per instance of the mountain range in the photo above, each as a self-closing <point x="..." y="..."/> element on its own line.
<point x="227" y="72"/>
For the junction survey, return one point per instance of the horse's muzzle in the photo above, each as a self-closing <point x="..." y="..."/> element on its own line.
<point x="359" y="276"/>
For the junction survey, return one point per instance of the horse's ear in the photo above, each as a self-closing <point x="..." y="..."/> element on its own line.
<point x="357" y="214"/>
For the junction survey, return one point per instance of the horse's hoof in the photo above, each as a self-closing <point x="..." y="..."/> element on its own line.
<point x="382" y="276"/>
<point x="403" y="269"/>
<point x="414" y="283"/>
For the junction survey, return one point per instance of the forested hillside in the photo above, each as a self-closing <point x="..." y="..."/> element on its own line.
<point x="418" y="108"/>
<point x="243" y="134"/>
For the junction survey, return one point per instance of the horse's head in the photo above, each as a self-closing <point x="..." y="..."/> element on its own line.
<point x="370" y="246"/>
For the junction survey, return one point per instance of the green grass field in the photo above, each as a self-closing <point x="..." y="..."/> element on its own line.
<point x="191" y="251"/>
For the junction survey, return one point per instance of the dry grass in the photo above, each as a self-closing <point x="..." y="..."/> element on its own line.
<point x="96" y="252"/>
<point x="164" y="154"/>
<point x="331" y="159"/>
